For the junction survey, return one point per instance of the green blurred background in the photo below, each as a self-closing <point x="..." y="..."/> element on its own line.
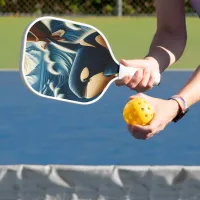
<point x="129" y="30"/>
<point x="129" y="37"/>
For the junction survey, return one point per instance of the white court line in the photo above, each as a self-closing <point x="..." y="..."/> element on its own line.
<point x="9" y="70"/>
<point x="181" y="69"/>
<point x="15" y="70"/>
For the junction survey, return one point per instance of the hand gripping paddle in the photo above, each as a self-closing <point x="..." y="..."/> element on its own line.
<point x="69" y="61"/>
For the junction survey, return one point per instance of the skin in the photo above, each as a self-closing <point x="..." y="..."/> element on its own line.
<point x="166" y="110"/>
<point x="166" y="48"/>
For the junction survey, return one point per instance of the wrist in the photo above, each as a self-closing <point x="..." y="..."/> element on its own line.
<point x="182" y="107"/>
<point x="175" y="107"/>
<point x="154" y="63"/>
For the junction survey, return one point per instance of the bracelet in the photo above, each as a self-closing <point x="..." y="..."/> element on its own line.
<point x="181" y="102"/>
<point x="182" y="106"/>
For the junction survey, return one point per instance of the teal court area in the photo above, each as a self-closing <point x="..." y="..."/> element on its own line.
<point x="34" y="130"/>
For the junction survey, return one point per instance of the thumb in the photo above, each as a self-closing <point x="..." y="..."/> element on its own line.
<point x="155" y="122"/>
<point x="154" y="127"/>
<point x="134" y="63"/>
<point x="141" y="95"/>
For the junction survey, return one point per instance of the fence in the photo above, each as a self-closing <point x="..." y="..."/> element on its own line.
<point x="80" y="7"/>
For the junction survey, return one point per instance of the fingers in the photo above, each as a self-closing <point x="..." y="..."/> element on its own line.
<point x="136" y="79"/>
<point x="125" y="80"/>
<point x="135" y="134"/>
<point x="146" y="76"/>
<point x="143" y="79"/>
<point x="156" y="126"/>
<point x="140" y="82"/>
<point x="145" y="132"/>
<point x="142" y="133"/>
<point x="151" y="81"/>
<point x="138" y="95"/>
<point x="146" y="83"/>
<point x="142" y="64"/>
<point x="131" y="63"/>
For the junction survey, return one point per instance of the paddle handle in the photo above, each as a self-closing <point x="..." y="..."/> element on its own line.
<point x="130" y="71"/>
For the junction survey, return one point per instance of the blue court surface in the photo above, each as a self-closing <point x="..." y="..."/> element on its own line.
<point x="34" y="130"/>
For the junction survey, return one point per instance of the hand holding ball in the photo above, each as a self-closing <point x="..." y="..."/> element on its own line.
<point x="138" y="112"/>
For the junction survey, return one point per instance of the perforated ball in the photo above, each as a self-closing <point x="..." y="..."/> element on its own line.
<point x="138" y="112"/>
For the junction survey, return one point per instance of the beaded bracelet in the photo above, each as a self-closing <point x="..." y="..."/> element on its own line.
<point x="181" y="101"/>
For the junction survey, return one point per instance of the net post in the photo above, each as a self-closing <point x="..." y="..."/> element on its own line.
<point x="119" y="8"/>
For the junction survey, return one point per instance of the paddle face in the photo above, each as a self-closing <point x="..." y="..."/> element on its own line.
<point x="67" y="61"/>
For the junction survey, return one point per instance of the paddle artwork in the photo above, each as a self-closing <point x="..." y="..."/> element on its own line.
<point x="69" y="61"/>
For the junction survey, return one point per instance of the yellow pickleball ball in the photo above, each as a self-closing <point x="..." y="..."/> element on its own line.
<point x="138" y="111"/>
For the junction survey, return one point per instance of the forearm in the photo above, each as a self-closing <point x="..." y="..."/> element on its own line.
<point x="166" y="48"/>
<point x="170" y="38"/>
<point x="191" y="91"/>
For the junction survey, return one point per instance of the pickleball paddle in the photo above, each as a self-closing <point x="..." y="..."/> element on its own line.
<point x="69" y="61"/>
